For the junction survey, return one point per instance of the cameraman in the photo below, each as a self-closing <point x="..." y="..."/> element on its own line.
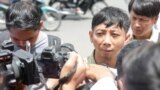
<point x="23" y="22"/>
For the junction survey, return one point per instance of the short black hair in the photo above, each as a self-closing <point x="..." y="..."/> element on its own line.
<point x="125" y="50"/>
<point x="112" y="16"/>
<point x="23" y="15"/>
<point x="149" y="8"/>
<point x="143" y="68"/>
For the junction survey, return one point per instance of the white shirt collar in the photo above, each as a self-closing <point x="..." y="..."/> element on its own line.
<point x="154" y="36"/>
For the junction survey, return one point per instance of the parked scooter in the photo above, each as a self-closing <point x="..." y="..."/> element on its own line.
<point x="70" y="6"/>
<point x="51" y="17"/>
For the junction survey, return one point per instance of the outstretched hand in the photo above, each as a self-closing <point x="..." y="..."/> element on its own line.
<point x="93" y="72"/>
<point x="79" y="74"/>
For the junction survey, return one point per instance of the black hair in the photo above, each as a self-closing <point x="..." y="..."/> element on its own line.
<point x="125" y="50"/>
<point x="23" y="15"/>
<point x="143" y="68"/>
<point x="149" y="8"/>
<point x="112" y="16"/>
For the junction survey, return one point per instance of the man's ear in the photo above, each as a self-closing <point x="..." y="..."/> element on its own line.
<point x="91" y="35"/>
<point x="155" y="19"/>
<point x="128" y="38"/>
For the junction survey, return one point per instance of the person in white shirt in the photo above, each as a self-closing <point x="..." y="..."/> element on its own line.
<point x="144" y="15"/>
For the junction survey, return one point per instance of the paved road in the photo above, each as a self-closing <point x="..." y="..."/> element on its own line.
<point x="76" y="31"/>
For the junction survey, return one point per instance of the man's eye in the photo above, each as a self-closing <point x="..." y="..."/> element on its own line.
<point x="144" y="20"/>
<point x="115" y="35"/>
<point x="100" y="34"/>
<point x="134" y="18"/>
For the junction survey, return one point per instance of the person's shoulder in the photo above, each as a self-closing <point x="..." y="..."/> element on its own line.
<point x="158" y="23"/>
<point x="54" y="40"/>
<point x="6" y="32"/>
<point x="158" y="36"/>
<point x="90" y="59"/>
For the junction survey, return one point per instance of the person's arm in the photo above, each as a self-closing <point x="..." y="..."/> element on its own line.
<point x="96" y="72"/>
<point x="51" y="83"/>
<point x="78" y="76"/>
<point x="93" y="72"/>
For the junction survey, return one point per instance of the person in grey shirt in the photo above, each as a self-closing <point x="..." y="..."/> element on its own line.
<point x="24" y="24"/>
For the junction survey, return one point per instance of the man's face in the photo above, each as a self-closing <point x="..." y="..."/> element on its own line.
<point x="107" y="41"/>
<point x="19" y="37"/>
<point x="141" y="25"/>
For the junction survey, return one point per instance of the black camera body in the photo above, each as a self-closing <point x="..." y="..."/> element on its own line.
<point x="23" y="66"/>
<point x="53" y="58"/>
<point x="19" y="66"/>
<point x="7" y="44"/>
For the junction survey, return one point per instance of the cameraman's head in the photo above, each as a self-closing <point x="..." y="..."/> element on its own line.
<point x="23" y="20"/>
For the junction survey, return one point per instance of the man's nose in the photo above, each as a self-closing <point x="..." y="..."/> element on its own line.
<point x="22" y="44"/>
<point x="107" y="40"/>
<point x="137" y="23"/>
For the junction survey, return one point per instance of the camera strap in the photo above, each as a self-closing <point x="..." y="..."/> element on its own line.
<point x="66" y="78"/>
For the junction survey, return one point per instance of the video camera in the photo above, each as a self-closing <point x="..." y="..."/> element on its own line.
<point x="18" y="65"/>
<point x="23" y="66"/>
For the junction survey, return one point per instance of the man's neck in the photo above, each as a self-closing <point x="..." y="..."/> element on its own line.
<point x="104" y="61"/>
<point x="147" y="36"/>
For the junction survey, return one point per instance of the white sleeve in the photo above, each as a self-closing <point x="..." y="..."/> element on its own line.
<point x="105" y="83"/>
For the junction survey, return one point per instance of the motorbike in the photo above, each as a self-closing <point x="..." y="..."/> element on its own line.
<point x="69" y="6"/>
<point x="51" y="17"/>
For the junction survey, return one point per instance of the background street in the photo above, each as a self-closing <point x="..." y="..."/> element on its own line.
<point x="75" y="29"/>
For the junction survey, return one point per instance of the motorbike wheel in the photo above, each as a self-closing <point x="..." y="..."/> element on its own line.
<point x="51" y="21"/>
<point x="97" y="6"/>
